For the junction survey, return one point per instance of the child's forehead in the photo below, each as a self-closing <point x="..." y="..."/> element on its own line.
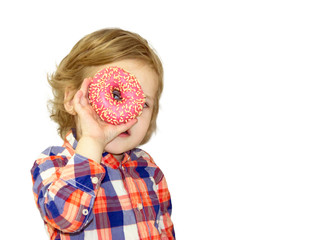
<point x="129" y="65"/>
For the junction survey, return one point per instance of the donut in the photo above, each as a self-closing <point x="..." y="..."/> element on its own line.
<point x="116" y="95"/>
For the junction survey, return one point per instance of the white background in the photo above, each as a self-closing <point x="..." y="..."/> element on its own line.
<point x="239" y="132"/>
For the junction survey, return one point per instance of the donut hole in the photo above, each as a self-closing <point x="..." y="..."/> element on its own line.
<point x="116" y="94"/>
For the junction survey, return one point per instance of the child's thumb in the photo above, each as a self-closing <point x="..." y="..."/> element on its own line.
<point x="125" y="126"/>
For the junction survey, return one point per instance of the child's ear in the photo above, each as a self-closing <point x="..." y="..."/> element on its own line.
<point x="68" y="101"/>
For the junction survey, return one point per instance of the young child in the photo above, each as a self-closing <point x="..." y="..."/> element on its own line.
<point x="98" y="184"/>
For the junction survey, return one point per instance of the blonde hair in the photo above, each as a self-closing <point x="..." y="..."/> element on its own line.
<point x="99" y="48"/>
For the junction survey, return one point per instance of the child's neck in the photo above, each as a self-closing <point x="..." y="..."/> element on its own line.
<point x="119" y="157"/>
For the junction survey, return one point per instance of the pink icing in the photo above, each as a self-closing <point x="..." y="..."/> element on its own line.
<point x="116" y="81"/>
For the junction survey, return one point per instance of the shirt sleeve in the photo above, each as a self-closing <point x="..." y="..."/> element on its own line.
<point x="165" y="223"/>
<point x="65" y="189"/>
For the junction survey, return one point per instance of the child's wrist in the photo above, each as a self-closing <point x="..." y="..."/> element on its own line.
<point x="90" y="148"/>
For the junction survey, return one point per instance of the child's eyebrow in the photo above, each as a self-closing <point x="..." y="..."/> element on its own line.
<point x="149" y="98"/>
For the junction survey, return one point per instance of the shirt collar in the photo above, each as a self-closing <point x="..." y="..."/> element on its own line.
<point x="70" y="139"/>
<point x="107" y="158"/>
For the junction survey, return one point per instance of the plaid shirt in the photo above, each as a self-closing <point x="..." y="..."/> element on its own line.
<point x="81" y="199"/>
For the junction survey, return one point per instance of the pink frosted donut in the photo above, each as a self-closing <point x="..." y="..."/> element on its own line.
<point x="116" y="95"/>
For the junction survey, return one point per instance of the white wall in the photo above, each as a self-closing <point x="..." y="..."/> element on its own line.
<point x="238" y="136"/>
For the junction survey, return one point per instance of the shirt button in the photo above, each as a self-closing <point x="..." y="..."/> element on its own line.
<point x="140" y="206"/>
<point x="94" y="180"/>
<point x="85" y="212"/>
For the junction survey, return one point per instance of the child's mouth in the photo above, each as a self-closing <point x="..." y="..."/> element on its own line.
<point x="124" y="134"/>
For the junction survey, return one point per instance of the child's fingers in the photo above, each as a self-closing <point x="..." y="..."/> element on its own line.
<point x="85" y="86"/>
<point x="84" y="89"/>
<point x="124" y="127"/>
<point x="77" y="101"/>
<point x="113" y="131"/>
<point x="77" y="97"/>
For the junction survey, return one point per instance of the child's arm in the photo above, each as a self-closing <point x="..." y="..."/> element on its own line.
<point x="66" y="181"/>
<point x="165" y="223"/>
<point x="65" y="185"/>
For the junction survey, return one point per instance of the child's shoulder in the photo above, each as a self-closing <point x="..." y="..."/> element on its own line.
<point x="145" y="163"/>
<point x="139" y="154"/>
<point x="54" y="152"/>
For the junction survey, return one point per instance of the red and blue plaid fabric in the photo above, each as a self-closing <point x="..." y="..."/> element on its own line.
<point x="81" y="199"/>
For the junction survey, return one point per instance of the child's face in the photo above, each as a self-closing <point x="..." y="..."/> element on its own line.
<point x="148" y="81"/>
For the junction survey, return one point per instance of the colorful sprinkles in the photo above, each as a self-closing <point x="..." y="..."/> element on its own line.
<point x="116" y="95"/>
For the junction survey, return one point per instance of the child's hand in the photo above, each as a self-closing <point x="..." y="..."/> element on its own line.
<point x="90" y="127"/>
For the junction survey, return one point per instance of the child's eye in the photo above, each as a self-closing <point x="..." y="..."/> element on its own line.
<point x="145" y="105"/>
<point x="116" y="95"/>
